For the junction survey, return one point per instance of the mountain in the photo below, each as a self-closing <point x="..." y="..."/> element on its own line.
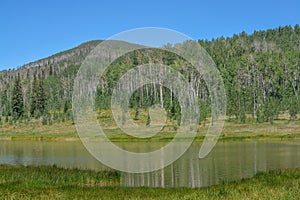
<point x="57" y="72"/>
<point x="261" y="73"/>
<point x="73" y="55"/>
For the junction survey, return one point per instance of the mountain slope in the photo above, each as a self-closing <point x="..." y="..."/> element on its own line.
<point x="261" y="73"/>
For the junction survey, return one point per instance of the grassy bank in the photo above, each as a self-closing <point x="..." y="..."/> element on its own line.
<point x="282" y="129"/>
<point x="19" y="182"/>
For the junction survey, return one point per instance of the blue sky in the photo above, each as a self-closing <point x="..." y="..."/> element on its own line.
<point x="31" y="30"/>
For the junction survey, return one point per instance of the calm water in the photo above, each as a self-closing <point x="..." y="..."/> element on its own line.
<point x="228" y="161"/>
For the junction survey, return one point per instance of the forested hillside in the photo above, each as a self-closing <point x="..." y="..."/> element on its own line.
<point x="45" y="86"/>
<point x="261" y="73"/>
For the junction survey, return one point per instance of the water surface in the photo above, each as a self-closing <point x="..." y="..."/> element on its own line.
<point x="227" y="162"/>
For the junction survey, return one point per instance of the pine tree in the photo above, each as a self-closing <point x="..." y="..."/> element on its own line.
<point x="38" y="97"/>
<point x="66" y="107"/>
<point x="17" y="99"/>
<point x="41" y="97"/>
<point x="34" y="91"/>
<point x="5" y="104"/>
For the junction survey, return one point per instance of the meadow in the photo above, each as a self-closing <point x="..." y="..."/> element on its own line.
<point x="281" y="129"/>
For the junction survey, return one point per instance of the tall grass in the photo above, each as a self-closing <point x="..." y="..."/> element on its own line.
<point x="19" y="182"/>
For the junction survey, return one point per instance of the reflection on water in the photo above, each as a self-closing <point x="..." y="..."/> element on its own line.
<point x="62" y="154"/>
<point x="228" y="161"/>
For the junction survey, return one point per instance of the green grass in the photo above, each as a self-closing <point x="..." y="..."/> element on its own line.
<point x="281" y="129"/>
<point x="19" y="182"/>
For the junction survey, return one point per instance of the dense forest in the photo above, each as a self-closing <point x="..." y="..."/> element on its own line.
<point x="261" y="73"/>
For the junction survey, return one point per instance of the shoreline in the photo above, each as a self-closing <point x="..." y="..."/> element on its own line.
<point x="162" y="137"/>
<point x="279" y="130"/>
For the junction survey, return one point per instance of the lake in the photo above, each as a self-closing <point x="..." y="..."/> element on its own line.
<point x="230" y="160"/>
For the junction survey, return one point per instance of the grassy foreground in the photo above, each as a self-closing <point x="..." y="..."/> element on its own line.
<point x="19" y="182"/>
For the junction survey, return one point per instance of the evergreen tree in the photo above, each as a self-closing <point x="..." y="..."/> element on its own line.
<point x="17" y="98"/>
<point x="66" y="107"/>
<point x="38" y="97"/>
<point x="41" y="97"/>
<point x="5" y="104"/>
<point x="34" y="92"/>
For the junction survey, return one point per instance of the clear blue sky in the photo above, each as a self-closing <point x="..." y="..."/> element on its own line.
<point x="31" y="30"/>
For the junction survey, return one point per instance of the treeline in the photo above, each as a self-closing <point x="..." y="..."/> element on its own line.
<point x="261" y="74"/>
<point x="23" y="106"/>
